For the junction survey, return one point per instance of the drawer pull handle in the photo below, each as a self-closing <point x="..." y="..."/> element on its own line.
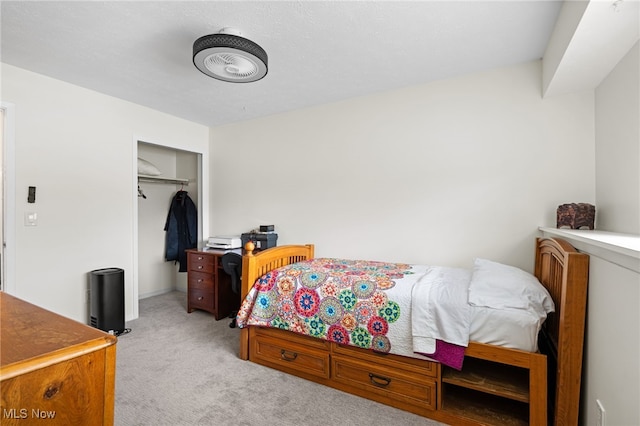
<point x="52" y="390"/>
<point x="200" y="257"/>
<point x="379" y="381"/>
<point x="199" y="266"/>
<point x="200" y="298"/>
<point x="284" y="355"/>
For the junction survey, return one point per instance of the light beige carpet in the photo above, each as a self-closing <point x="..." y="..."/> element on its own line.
<point x="176" y="368"/>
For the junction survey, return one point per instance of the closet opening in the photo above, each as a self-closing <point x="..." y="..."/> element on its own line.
<point x="165" y="171"/>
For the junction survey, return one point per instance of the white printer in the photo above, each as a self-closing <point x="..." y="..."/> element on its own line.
<point x="225" y="242"/>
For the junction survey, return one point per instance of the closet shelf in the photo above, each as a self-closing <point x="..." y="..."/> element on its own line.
<point x="160" y="179"/>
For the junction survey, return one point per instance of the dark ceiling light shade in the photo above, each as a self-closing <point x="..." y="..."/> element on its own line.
<point x="229" y="57"/>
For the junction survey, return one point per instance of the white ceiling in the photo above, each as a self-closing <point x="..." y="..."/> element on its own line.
<point x="319" y="51"/>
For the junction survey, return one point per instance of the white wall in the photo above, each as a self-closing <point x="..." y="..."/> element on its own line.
<point x="612" y="352"/>
<point x="438" y="173"/>
<point x="612" y="344"/>
<point x="617" y="114"/>
<point x="77" y="147"/>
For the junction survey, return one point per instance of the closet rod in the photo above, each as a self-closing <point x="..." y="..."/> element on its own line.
<point x="159" y="179"/>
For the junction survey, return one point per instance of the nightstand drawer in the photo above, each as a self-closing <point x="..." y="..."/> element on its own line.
<point x="200" y="262"/>
<point x="200" y="280"/>
<point x="201" y="299"/>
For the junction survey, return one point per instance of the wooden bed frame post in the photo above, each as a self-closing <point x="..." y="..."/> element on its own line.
<point x="248" y="272"/>
<point x="538" y="390"/>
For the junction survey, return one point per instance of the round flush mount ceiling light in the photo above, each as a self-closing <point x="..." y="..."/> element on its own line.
<point x="229" y="57"/>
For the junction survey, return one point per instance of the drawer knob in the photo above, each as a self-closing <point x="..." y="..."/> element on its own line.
<point x="379" y="381"/>
<point x="52" y="390"/>
<point x="200" y="298"/>
<point x="200" y="257"/>
<point x="199" y="266"/>
<point x="288" y="356"/>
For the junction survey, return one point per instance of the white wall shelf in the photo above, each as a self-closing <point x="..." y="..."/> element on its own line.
<point x="621" y="249"/>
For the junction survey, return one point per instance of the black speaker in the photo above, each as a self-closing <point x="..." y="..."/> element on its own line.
<point x="106" y="293"/>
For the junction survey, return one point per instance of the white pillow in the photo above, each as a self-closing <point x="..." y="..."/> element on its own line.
<point x="146" y="168"/>
<point x="498" y="286"/>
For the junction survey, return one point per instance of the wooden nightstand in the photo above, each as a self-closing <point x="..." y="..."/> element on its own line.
<point x="53" y="370"/>
<point x="208" y="286"/>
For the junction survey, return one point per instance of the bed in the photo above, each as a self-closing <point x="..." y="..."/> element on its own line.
<point x="489" y="379"/>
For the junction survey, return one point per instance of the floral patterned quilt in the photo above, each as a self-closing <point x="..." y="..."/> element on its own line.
<point x="367" y="304"/>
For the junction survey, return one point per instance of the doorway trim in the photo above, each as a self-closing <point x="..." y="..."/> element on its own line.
<point x="9" y="199"/>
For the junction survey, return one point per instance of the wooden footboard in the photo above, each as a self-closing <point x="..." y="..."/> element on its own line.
<point x="256" y="265"/>
<point x="496" y="386"/>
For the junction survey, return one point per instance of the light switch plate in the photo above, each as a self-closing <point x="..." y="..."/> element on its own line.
<point x="31" y="219"/>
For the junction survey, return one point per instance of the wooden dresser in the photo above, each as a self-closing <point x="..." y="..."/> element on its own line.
<point x="208" y="286"/>
<point x="53" y="370"/>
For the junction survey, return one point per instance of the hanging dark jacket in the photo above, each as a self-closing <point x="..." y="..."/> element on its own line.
<point x="181" y="228"/>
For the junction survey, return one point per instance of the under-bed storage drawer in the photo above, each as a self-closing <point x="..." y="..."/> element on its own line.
<point x="290" y="352"/>
<point x="401" y="385"/>
<point x="417" y="367"/>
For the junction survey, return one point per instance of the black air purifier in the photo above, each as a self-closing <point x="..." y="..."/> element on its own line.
<point x="106" y="294"/>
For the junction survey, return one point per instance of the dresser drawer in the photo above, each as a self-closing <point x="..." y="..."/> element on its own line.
<point x="200" y="262"/>
<point x="401" y="385"/>
<point x="72" y="391"/>
<point x="200" y="280"/>
<point x="201" y="299"/>
<point x="290" y="355"/>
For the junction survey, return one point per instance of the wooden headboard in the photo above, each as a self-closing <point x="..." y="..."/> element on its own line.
<point x="564" y="272"/>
